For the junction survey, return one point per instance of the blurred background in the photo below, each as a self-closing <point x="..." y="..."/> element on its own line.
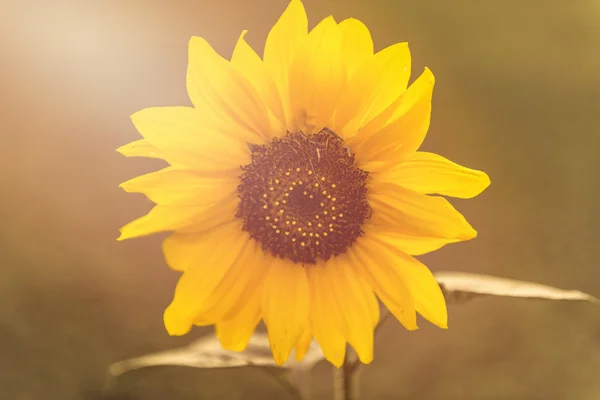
<point x="517" y="95"/>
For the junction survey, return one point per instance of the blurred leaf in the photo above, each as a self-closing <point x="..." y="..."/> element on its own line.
<point x="207" y="352"/>
<point x="461" y="286"/>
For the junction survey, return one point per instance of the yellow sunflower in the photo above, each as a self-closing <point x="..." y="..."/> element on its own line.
<point x="295" y="191"/>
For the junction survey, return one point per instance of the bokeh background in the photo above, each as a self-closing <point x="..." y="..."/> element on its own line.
<point x="517" y="95"/>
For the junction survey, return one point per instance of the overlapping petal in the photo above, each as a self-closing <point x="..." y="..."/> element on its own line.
<point x="426" y="292"/>
<point x="184" y="187"/>
<point x="163" y="218"/>
<point x="317" y="78"/>
<point x="223" y="95"/>
<point x="430" y="173"/>
<point x="325" y="318"/>
<point x="397" y="209"/>
<point x="285" y="39"/>
<point x="249" y="63"/>
<point x="380" y="81"/>
<point x="237" y="287"/>
<point x="395" y="269"/>
<point x="357" y="45"/>
<point x="285" y="307"/>
<point x="380" y="272"/>
<point x="356" y="304"/>
<point x="413" y="243"/>
<point x="191" y="138"/>
<point x="234" y="332"/>
<point x="207" y="259"/>
<point x="399" y="130"/>
<point x="303" y="343"/>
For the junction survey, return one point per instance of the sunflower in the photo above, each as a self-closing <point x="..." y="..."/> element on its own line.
<point x="295" y="193"/>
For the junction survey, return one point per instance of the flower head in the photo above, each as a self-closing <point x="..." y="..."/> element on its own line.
<point x="295" y="191"/>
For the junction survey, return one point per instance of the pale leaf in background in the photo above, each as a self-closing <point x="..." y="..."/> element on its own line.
<point x="459" y="286"/>
<point x="207" y="352"/>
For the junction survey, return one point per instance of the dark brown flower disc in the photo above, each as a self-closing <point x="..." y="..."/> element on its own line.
<point x="302" y="197"/>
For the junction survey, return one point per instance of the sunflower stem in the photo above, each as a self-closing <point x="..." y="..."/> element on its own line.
<point x="345" y="378"/>
<point x="385" y="314"/>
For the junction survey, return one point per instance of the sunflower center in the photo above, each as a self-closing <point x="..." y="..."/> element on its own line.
<point x="302" y="198"/>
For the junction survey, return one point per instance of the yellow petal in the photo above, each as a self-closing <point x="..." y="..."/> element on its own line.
<point x="380" y="81"/>
<point x="140" y="148"/>
<point x="246" y="60"/>
<point x="190" y="138"/>
<point x="235" y="332"/>
<point x="303" y="343"/>
<point x="143" y="148"/>
<point x="428" y="297"/>
<point x="240" y="283"/>
<point x="358" y="306"/>
<point x="357" y="45"/>
<point x="317" y="78"/>
<point x="216" y="87"/>
<point x="413" y="245"/>
<point x="208" y="263"/>
<point x="285" y="38"/>
<point x="416" y="214"/>
<point x="403" y="134"/>
<point x="184" y="218"/>
<point x="285" y="307"/>
<point x="378" y="270"/>
<point x="430" y="173"/>
<point x="325" y="317"/>
<point x="178" y="186"/>
<point x="178" y="247"/>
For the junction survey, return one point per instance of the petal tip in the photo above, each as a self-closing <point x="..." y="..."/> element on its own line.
<point x="296" y="3"/>
<point x="366" y="360"/>
<point x="485" y="181"/>
<point x="337" y="362"/>
<point x="122" y="235"/>
<point x="365" y="357"/>
<point x="411" y="328"/>
<point x="299" y="356"/>
<point x="441" y="321"/>
<point x="429" y="74"/>
<point x="237" y="346"/>
<point x="279" y="357"/>
<point x="133" y="117"/>
<point x="242" y="35"/>
<point x="197" y="40"/>
<point x="469" y="234"/>
<point x="330" y="19"/>
<point x="126" y="148"/>
<point x="174" y="325"/>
